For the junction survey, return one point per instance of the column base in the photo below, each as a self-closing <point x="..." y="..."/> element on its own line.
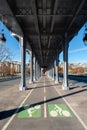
<point x="30" y="82"/>
<point x="22" y="88"/>
<point x="56" y="82"/>
<point x="34" y="79"/>
<point x="65" y="87"/>
<point x="51" y="78"/>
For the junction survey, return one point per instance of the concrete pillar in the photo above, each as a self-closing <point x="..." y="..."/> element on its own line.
<point x="23" y="65"/>
<point x="31" y="67"/>
<point x="65" y="65"/>
<point x="56" y="66"/>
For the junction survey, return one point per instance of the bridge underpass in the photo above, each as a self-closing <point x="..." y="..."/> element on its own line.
<point x="44" y="29"/>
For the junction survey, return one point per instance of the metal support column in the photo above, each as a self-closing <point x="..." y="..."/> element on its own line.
<point x="34" y="68"/>
<point x="38" y="71"/>
<point x="56" y="66"/>
<point x="53" y="78"/>
<point x="51" y="72"/>
<point x="65" y="59"/>
<point x="31" y="67"/>
<point x="23" y="56"/>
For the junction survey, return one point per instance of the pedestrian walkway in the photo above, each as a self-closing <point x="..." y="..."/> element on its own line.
<point x="44" y="106"/>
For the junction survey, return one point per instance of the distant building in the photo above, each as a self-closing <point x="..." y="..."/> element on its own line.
<point x="10" y="68"/>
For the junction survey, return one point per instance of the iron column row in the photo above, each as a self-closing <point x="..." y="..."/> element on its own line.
<point x="55" y="64"/>
<point x="34" y="75"/>
<point x="34" y="67"/>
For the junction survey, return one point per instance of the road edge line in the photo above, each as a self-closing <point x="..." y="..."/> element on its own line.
<point x="78" y="117"/>
<point x="12" y="117"/>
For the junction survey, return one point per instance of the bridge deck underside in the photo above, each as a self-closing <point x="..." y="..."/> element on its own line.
<point x="44" y="23"/>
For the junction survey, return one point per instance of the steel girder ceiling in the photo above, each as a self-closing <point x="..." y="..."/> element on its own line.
<point x="44" y="23"/>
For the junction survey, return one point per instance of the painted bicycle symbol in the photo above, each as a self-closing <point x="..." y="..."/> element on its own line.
<point x="32" y="110"/>
<point x="59" y="111"/>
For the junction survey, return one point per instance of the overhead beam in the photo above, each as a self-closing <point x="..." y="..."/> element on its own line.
<point x="53" y="20"/>
<point x="61" y="11"/>
<point x="17" y="28"/>
<point x="45" y="15"/>
<point x="37" y="25"/>
<point x="75" y="16"/>
<point x="44" y="12"/>
<point x="52" y="23"/>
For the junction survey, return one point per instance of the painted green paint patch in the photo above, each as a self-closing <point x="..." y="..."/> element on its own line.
<point x="30" y="112"/>
<point x="58" y="110"/>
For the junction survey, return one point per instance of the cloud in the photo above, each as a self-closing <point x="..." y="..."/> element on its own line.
<point x="78" y="50"/>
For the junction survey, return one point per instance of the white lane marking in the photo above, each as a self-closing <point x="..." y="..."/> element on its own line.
<point x="45" y="109"/>
<point x="12" y="117"/>
<point x="44" y="86"/>
<point x="80" y="120"/>
<point x="44" y="90"/>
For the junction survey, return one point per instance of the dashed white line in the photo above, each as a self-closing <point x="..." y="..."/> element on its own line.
<point x="80" y="120"/>
<point x="44" y="90"/>
<point x="44" y="86"/>
<point x="45" y="109"/>
<point x="10" y="120"/>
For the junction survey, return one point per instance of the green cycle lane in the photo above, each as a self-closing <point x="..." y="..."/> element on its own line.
<point x="54" y="110"/>
<point x="58" y="110"/>
<point x="30" y="112"/>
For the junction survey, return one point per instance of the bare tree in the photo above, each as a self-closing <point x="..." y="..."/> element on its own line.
<point x="5" y="54"/>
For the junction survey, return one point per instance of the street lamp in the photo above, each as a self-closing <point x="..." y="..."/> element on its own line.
<point x="85" y="35"/>
<point x="18" y="37"/>
<point x="2" y="38"/>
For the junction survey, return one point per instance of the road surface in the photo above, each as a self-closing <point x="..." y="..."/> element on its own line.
<point x="43" y="109"/>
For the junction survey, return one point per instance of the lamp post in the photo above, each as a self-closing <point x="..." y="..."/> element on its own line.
<point x="2" y="36"/>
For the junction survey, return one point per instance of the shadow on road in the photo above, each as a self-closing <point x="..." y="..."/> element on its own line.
<point x="9" y="113"/>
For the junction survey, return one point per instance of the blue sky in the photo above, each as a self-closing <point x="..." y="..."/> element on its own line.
<point x="13" y="45"/>
<point x="77" y="49"/>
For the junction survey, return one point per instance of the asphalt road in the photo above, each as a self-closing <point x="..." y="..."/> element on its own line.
<point x="43" y="109"/>
<point x="80" y="81"/>
<point x="75" y="80"/>
<point x="11" y="82"/>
